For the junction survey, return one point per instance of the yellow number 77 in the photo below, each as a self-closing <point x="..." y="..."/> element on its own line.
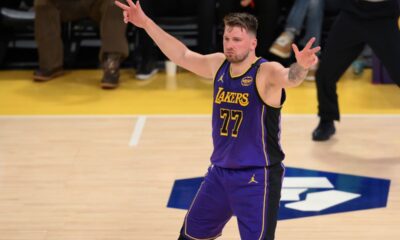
<point x="227" y="115"/>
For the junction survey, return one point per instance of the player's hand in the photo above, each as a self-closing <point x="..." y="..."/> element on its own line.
<point x="245" y="3"/>
<point x="133" y="13"/>
<point x="307" y="57"/>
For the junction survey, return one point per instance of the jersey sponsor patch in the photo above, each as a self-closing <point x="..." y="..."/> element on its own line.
<point x="246" y="81"/>
<point x="307" y="193"/>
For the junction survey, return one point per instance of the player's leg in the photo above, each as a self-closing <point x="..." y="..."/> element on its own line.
<point x="210" y="209"/>
<point x="255" y="197"/>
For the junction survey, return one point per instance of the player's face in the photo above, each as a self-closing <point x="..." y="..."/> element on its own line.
<point x="238" y="43"/>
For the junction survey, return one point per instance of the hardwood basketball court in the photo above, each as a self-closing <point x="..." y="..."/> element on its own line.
<point x="77" y="162"/>
<point x="106" y="177"/>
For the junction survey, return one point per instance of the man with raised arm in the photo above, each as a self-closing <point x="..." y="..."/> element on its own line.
<point x="246" y="172"/>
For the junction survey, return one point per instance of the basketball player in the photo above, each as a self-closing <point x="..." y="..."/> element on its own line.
<point x="245" y="177"/>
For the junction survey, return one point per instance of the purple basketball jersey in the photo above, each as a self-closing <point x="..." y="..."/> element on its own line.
<point x="246" y="131"/>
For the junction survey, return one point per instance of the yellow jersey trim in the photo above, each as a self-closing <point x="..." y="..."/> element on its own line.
<point x="230" y="70"/>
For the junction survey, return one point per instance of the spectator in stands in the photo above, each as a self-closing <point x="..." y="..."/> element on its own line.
<point x="304" y="13"/>
<point x="50" y="14"/>
<point x="309" y="10"/>
<point x="203" y="9"/>
<point x="360" y="22"/>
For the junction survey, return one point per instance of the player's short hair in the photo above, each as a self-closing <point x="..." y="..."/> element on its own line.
<point x="242" y="20"/>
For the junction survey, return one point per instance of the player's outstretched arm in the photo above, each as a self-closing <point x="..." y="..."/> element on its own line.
<point x="202" y="65"/>
<point x="296" y="73"/>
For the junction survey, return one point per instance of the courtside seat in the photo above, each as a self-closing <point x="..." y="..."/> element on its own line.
<point x="184" y="28"/>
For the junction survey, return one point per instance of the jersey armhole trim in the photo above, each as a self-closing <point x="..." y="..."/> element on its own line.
<point x="258" y="93"/>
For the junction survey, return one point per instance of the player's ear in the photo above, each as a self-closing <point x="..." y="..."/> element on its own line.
<point x="254" y="43"/>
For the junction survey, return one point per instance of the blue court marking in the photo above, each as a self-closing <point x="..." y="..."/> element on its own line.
<point x="317" y="193"/>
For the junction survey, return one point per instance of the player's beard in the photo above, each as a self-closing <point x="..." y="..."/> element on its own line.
<point x="234" y="58"/>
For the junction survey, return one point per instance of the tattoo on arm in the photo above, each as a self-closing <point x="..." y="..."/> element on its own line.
<point x="297" y="73"/>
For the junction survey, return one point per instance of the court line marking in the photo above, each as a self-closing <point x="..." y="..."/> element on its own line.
<point x="182" y="116"/>
<point x="137" y="131"/>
